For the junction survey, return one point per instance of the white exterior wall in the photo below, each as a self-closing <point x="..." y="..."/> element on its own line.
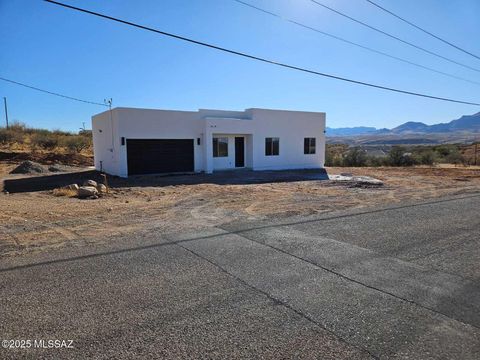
<point x="291" y="127"/>
<point x="104" y="133"/>
<point x="228" y="162"/>
<point x="160" y="124"/>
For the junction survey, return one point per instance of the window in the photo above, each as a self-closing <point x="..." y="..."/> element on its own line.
<point x="272" y="146"/>
<point x="220" y="147"/>
<point x="309" y="146"/>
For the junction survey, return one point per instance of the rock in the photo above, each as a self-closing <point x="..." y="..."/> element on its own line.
<point x="28" y="167"/>
<point x="102" y="189"/>
<point x="357" y="181"/>
<point x="368" y="180"/>
<point x="55" y="168"/>
<point x="86" y="191"/>
<point x="90" y="183"/>
<point x="72" y="187"/>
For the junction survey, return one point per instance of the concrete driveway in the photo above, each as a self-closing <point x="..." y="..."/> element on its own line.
<point x="398" y="282"/>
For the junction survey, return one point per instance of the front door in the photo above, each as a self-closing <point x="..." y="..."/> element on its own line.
<point x="239" y="151"/>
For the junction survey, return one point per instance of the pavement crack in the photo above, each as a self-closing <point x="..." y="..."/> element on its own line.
<point x="278" y="302"/>
<point x="336" y="273"/>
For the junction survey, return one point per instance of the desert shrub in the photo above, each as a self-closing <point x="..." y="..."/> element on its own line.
<point x="334" y="154"/>
<point x="337" y="161"/>
<point x="59" y="132"/>
<point x="17" y="126"/>
<point x="395" y="156"/>
<point x="64" y="192"/>
<point x="398" y="156"/>
<point x="331" y="157"/>
<point x="455" y="157"/>
<point x="444" y="150"/>
<point x="87" y="133"/>
<point x="355" y="157"/>
<point x="449" y="154"/>
<point x="6" y="136"/>
<point x="9" y="136"/>
<point x="44" y="140"/>
<point x="375" y="161"/>
<point x="334" y="160"/>
<point x="77" y="143"/>
<point x="426" y="157"/>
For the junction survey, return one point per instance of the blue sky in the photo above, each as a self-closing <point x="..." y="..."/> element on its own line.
<point x="86" y="57"/>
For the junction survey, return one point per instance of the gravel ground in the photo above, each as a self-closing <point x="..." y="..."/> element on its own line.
<point x="39" y="221"/>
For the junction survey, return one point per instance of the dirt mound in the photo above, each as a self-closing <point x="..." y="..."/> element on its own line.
<point x="51" y="158"/>
<point x="29" y="167"/>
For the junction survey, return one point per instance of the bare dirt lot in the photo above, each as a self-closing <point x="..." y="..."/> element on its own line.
<point x="39" y="221"/>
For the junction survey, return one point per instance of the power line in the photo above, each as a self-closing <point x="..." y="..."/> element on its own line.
<point x="50" y="92"/>
<point x="253" y="57"/>
<point x="353" y="43"/>
<point x="422" y="29"/>
<point x="394" y="37"/>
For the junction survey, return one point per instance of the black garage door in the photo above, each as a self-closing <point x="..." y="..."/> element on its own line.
<point x="152" y="156"/>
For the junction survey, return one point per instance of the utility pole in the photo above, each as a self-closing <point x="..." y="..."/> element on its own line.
<point x="6" y="112"/>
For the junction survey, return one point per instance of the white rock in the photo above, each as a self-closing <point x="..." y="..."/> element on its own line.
<point x="358" y="179"/>
<point x="90" y="183"/>
<point x="86" y="191"/>
<point x="72" y="187"/>
<point x="101" y="188"/>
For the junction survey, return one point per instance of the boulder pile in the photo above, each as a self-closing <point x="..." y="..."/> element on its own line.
<point x="89" y="190"/>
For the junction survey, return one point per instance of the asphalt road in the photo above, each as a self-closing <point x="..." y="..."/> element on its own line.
<point x="396" y="282"/>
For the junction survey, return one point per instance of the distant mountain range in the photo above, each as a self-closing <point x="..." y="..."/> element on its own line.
<point x="350" y="131"/>
<point x="467" y="123"/>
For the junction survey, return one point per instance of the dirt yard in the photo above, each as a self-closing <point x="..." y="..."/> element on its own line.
<point x="39" y="221"/>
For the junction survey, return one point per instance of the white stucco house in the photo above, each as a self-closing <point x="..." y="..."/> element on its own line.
<point x="130" y="141"/>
